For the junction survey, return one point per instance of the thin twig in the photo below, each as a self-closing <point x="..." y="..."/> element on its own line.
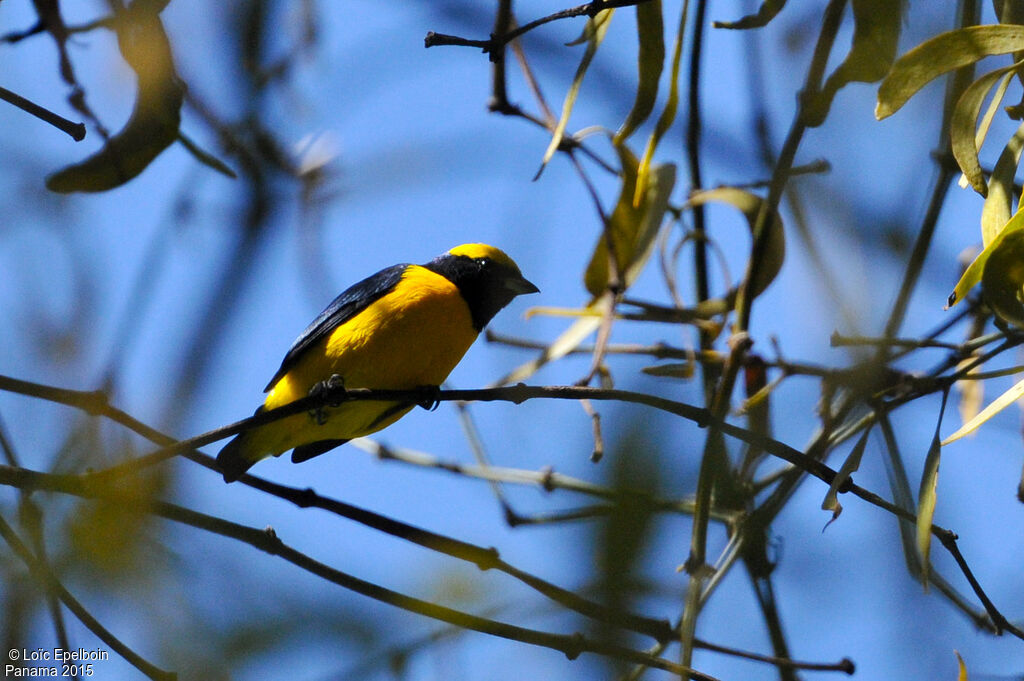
<point x="547" y="479"/>
<point x="75" y="130"/>
<point x="266" y="540"/>
<point x="50" y="582"/>
<point x="711" y="460"/>
<point x="499" y="39"/>
<point x="96" y="404"/>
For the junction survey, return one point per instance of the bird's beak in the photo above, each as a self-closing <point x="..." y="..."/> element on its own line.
<point x="519" y="285"/>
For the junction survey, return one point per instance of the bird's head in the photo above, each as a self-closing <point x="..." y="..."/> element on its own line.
<point x="487" y="278"/>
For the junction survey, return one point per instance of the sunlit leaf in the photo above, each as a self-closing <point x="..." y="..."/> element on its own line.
<point x="965" y="140"/>
<point x="997" y="209"/>
<point x="875" y="36"/>
<point x="850" y="465"/>
<point x="997" y="405"/>
<point x="153" y="125"/>
<point x="651" y="60"/>
<point x="927" y="496"/>
<point x="594" y="32"/>
<point x="568" y="341"/>
<point x="633" y="229"/>
<point x="750" y="205"/>
<point x="962" y="676"/>
<point x="591" y="28"/>
<point x="942" y="54"/>
<point x="765" y="13"/>
<point x="975" y="271"/>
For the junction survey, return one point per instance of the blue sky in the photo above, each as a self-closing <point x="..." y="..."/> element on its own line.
<point x="419" y="166"/>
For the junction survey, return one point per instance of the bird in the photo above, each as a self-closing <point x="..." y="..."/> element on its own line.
<point x="403" y="328"/>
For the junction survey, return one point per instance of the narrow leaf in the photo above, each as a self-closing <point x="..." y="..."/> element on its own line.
<point x="965" y="140"/>
<point x="927" y="496"/>
<point x="750" y="205"/>
<point x="1002" y="280"/>
<point x="942" y="54"/>
<point x="668" y="114"/>
<point x="974" y="272"/>
<point x="997" y="209"/>
<point x="597" y="26"/>
<point x="682" y="370"/>
<point x="997" y="405"/>
<point x="875" y="36"/>
<point x="568" y="341"/>
<point x="962" y="676"/>
<point x="852" y="463"/>
<point x="650" y="61"/>
<point x="633" y="228"/>
<point x="765" y="13"/>
<point x="902" y="495"/>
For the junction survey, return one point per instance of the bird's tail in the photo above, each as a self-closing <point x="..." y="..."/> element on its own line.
<point x="239" y="455"/>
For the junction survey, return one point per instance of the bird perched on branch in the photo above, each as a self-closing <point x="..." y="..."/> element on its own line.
<point x="403" y="328"/>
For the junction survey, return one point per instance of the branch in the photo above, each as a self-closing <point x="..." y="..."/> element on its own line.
<point x="75" y="130"/>
<point x="95" y="403"/>
<point x="45" y="577"/>
<point x="498" y="41"/>
<point x="547" y="478"/>
<point x="267" y="541"/>
<point x="516" y="394"/>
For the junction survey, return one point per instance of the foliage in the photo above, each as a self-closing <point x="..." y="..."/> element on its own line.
<point x="91" y="526"/>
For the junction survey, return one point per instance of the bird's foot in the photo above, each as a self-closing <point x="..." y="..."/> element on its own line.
<point x="321" y="388"/>
<point x="431" y="397"/>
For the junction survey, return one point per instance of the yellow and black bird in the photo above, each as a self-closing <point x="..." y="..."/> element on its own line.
<point x="402" y="328"/>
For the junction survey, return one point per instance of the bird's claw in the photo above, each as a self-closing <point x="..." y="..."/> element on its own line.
<point x="321" y="388"/>
<point x="431" y="397"/>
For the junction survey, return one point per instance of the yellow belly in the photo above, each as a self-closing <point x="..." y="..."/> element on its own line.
<point x="412" y="337"/>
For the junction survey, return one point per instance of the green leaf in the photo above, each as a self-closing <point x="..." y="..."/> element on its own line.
<point x="682" y="370"/>
<point x="594" y="33"/>
<point x="651" y="60"/>
<point x="996" y="211"/>
<point x="965" y="141"/>
<point x="668" y="114"/>
<point x="942" y="54"/>
<point x="997" y="405"/>
<point x="1002" y="280"/>
<point x="765" y="13"/>
<point x="153" y="125"/>
<point x="876" y="33"/>
<point x="750" y="205"/>
<point x="927" y="497"/>
<point x="852" y="463"/>
<point x="632" y="228"/>
<point x="962" y="676"/>
<point x="976" y="270"/>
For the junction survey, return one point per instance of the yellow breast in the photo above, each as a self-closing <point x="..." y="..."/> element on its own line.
<point x="413" y="336"/>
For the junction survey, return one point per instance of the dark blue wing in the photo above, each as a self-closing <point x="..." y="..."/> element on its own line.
<point x="351" y="302"/>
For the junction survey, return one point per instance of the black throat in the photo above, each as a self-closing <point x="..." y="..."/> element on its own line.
<point x="480" y="284"/>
